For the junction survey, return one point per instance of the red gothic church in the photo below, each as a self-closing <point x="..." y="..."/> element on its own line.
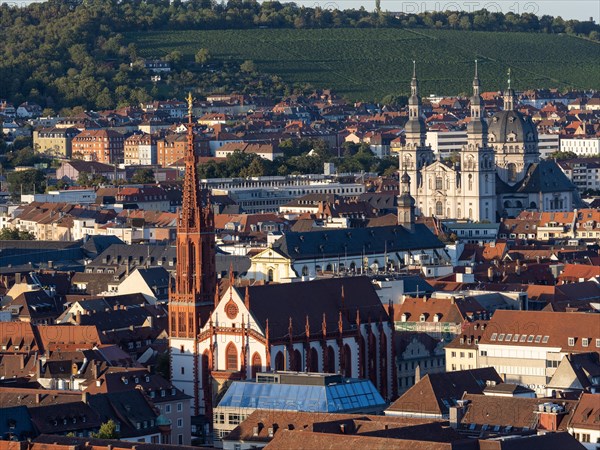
<point x="333" y="325"/>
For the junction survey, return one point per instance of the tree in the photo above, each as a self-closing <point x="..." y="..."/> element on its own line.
<point x="248" y="66"/>
<point x="83" y="179"/>
<point x="143" y="176"/>
<point x="26" y="181"/>
<point x="108" y="430"/>
<point x="202" y="56"/>
<point x="562" y="155"/>
<point x="12" y="234"/>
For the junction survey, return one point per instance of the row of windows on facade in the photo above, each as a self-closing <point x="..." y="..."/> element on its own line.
<point x="295" y="363"/>
<point x="168" y="407"/>
<point x="426" y="363"/>
<point x="585" y="342"/>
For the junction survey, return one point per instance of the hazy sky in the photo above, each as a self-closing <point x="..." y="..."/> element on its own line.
<point x="567" y="9"/>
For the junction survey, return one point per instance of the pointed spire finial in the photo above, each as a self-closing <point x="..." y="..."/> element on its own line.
<point x="217" y="296"/>
<point x="509" y="78"/>
<point x="247" y="299"/>
<point x="231" y="275"/>
<point x="190" y="101"/>
<point x="414" y="68"/>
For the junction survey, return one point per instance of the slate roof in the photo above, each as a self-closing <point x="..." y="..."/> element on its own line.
<point x="356" y="241"/>
<point x="435" y="393"/>
<point x="128" y="408"/>
<point x="97" y="244"/>
<point x="544" y="176"/>
<point x="35" y="305"/>
<point x="64" y="418"/>
<point x="280" y="302"/>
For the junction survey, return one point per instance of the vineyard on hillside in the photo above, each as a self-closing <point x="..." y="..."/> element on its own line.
<point x="368" y="64"/>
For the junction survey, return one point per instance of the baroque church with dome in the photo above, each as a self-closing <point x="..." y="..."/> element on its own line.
<point x="499" y="172"/>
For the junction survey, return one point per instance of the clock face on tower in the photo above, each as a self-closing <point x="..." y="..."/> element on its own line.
<point x="231" y="309"/>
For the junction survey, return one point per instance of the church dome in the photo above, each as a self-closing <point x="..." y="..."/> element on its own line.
<point x="415" y="126"/>
<point x="511" y="126"/>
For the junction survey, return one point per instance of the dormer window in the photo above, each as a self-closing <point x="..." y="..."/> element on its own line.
<point x="585" y="342"/>
<point x="147" y="379"/>
<point x="437" y="317"/>
<point x="571" y="341"/>
<point x="422" y="318"/>
<point x="404" y="317"/>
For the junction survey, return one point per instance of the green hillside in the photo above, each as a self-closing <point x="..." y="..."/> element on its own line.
<point x="366" y="64"/>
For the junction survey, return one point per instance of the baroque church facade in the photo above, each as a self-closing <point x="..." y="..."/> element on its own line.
<point x="498" y="173"/>
<point x="219" y="335"/>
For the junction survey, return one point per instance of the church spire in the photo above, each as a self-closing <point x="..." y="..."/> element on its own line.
<point x="476" y="83"/>
<point x="415" y="127"/>
<point x="509" y="95"/>
<point x="195" y="280"/>
<point x="477" y="127"/>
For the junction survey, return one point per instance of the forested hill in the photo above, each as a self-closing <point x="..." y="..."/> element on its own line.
<point x="65" y="53"/>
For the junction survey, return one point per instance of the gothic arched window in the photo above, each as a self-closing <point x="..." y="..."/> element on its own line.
<point x="279" y="361"/>
<point x="470" y="182"/>
<point x="330" y="360"/>
<point x="231" y="357"/>
<point x="347" y="361"/>
<point x="256" y="364"/>
<point x="314" y="360"/>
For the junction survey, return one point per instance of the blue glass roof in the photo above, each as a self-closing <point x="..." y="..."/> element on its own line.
<point x="347" y="396"/>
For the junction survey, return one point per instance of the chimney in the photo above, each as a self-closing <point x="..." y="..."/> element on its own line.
<point x="456" y="413"/>
<point x="85" y="396"/>
<point x="78" y="317"/>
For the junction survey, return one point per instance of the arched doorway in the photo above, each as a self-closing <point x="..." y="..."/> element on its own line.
<point x="270" y="275"/>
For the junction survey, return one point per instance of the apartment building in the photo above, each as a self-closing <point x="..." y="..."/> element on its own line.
<point x="526" y="347"/>
<point x="54" y="141"/>
<point x="581" y="146"/>
<point x="105" y="146"/>
<point x="140" y="149"/>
